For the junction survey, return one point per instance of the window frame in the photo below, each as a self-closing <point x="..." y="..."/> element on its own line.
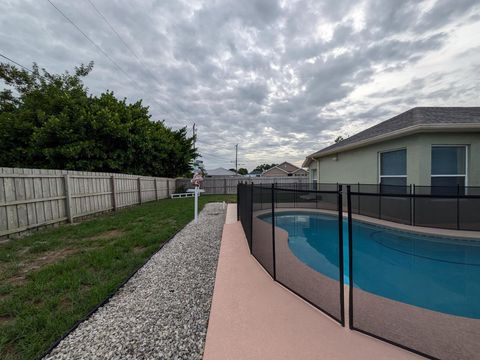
<point x="379" y="162"/>
<point x="466" y="147"/>
<point x="313" y="175"/>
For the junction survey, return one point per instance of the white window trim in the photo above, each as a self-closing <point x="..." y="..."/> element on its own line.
<point x="380" y="176"/>
<point x="451" y="175"/>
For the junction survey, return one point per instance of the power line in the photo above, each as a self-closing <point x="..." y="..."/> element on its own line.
<point x="113" y="29"/>
<point x="97" y="46"/>
<point x="139" y="60"/>
<point x="16" y="63"/>
<point x="22" y="66"/>
<point x="89" y="39"/>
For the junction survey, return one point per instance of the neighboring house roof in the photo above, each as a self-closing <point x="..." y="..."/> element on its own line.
<point x="255" y="173"/>
<point x="285" y="168"/>
<point x="220" y="172"/>
<point x="414" y="120"/>
<point x="300" y="170"/>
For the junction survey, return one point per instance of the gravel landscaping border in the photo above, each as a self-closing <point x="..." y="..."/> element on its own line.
<point x="162" y="311"/>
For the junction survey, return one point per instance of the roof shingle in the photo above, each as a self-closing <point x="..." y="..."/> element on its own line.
<point x="415" y="116"/>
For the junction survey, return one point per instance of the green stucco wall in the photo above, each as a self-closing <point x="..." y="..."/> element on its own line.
<point x="361" y="165"/>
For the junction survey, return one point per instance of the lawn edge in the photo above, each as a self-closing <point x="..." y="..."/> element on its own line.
<point x="107" y="299"/>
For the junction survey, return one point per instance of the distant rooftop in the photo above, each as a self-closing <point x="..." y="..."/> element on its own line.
<point x="220" y="172"/>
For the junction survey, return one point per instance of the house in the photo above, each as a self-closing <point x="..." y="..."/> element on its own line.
<point x="220" y="172"/>
<point x="438" y="146"/>
<point x="285" y="169"/>
<point x="254" y="173"/>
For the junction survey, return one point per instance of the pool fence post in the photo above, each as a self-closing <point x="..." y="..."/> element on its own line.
<point x="358" y="206"/>
<point x="379" y="193"/>
<point x="273" y="233"/>
<point x="238" y="201"/>
<point x="410" y="201"/>
<point x="276" y="203"/>
<point x="340" y="253"/>
<point x="414" y="205"/>
<point x="350" y="259"/>
<point x="458" y="206"/>
<point x="251" y="218"/>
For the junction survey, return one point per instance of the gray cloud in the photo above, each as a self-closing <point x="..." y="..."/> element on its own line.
<point x="282" y="79"/>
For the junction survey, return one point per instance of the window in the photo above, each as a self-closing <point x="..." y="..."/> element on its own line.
<point x="313" y="175"/>
<point x="393" y="170"/>
<point x="449" y="166"/>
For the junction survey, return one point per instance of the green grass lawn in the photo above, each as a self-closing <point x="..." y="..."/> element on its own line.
<point x="52" y="278"/>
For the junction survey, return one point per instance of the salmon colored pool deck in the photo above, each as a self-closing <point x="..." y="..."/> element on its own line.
<point x="253" y="317"/>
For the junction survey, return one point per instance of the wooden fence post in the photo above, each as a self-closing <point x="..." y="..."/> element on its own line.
<point x="68" y="198"/>
<point x="225" y="186"/>
<point x="156" y="188"/>
<point x="139" y="181"/>
<point x="168" y="188"/>
<point x="114" y="195"/>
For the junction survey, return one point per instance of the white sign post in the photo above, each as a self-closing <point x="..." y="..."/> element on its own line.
<point x="196" y="203"/>
<point x="197" y="180"/>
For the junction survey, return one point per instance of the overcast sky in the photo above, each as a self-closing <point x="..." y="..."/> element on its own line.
<point x="280" y="78"/>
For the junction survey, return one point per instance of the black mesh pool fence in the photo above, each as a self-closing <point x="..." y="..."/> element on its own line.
<point x="283" y="223"/>
<point x="419" y="292"/>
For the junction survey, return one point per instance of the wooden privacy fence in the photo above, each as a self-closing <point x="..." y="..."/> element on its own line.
<point x="228" y="184"/>
<point x="31" y="198"/>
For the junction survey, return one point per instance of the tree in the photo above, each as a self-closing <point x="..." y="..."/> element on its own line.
<point x="264" y="167"/>
<point x="242" y="171"/>
<point x="50" y="121"/>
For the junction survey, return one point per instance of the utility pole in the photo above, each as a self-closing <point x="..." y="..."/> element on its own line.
<point x="194" y="135"/>
<point x="236" y="158"/>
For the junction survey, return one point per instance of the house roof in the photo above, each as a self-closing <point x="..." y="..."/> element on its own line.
<point x="220" y="172"/>
<point x="411" y="121"/>
<point x="279" y="166"/>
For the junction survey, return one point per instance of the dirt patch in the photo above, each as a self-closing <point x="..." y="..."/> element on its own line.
<point x="138" y="249"/>
<point x="65" y="303"/>
<point x="111" y="234"/>
<point x="6" y="319"/>
<point x="45" y="258"/>
<point x="23" y="251"/>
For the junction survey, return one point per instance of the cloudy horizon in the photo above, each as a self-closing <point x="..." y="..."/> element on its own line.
<point x="280" y="78"/>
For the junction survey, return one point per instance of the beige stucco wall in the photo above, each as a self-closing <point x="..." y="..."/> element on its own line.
<point x="361" y="165"/>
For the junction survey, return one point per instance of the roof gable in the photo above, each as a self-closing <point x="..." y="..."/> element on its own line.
<point x="285" y="166"/>
<point x="288" y="166"/>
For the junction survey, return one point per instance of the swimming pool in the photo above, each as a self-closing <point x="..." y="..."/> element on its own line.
<point x="431" y="272"/>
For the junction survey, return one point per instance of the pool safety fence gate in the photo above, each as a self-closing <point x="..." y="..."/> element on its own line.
<point x="417" y="292"/>
<point x="264" y="213"/>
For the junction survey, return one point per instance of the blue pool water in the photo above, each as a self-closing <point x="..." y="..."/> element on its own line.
<point x="435" y="273"/>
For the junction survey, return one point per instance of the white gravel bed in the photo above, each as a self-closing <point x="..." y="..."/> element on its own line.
<point x="162" y="312"/>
